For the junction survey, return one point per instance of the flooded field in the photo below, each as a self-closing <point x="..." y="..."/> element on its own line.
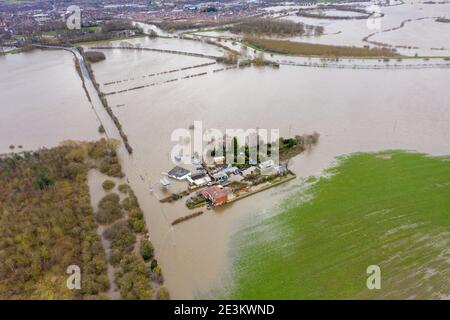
<point x="353" y="110"/>
<point x="425" y="36"/>
<point x="42" y="101"/>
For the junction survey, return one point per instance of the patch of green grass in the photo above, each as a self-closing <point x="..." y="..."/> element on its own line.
<point x="390" y="209"/>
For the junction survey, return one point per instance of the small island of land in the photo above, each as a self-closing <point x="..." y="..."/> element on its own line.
<point x="320" y="50"/>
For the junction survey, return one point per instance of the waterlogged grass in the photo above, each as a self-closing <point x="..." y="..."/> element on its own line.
<point x="390" y="209"/>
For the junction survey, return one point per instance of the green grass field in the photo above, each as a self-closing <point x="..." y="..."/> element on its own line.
<point x="390" y="209"/>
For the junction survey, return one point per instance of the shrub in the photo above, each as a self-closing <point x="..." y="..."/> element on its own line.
<point x="146" y="249"/>
<point x="132" y="278"/>
<point x="109" y="209"/>
<point x="163" y="294"/>
<point x="130" y="202"/>
<point x="108" y="185"/>
<point x="94" y="56"/>
<point x="124" y="188"/>
<point x="138" y="226"/>
<point x="120" y="236"/>
<point x="111" y="167"/>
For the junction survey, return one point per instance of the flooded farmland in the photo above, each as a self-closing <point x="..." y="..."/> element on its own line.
<point x="353" y="110"/>
<point x="42" y="101"/>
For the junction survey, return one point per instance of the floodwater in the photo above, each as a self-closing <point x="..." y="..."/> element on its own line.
<point x="42" y="101"/>
<point x="424" y="35"/>
<point x="353" y="110"/>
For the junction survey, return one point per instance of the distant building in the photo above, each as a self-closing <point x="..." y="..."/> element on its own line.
<point x="231" y="169"/>
<point x="217" y="195"/>
<point x="199" y="179"/>
<point x="178" y="173"/>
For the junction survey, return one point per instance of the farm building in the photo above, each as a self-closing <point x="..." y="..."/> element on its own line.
<point x="216" y="194"/>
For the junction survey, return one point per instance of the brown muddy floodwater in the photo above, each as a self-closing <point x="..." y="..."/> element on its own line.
<point x="353" y="110"/>
<point x="42" y="101"/>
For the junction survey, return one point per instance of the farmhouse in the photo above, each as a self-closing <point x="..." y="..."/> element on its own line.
<point x="199" y="179"/>
<point x="218" y="195"/>
<point x="178" y="173"/>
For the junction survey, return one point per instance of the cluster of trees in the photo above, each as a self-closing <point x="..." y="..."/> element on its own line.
<point x="261" y="26"/>
<point x="109" y="209"/>
<point x="319" y="50"/>
<point x="230" y="57"/>
<point x="116" y="25"/>
<point x="108" y="185"/>
<point x="94" y="56"/>
<point x="105" y="155"/>
<point x="184" y="25"/>
<point x="122" y="240"/>
<point x="291" y="147"/>
<point x="146" y="249"/>
<point x="288" y="148"/>
<point x="47" y="224"/>
<point x="131" y="275"/>
<point x="126" y="225"/>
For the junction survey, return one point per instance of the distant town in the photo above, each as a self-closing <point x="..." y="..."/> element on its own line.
<point x="21" y="20"/>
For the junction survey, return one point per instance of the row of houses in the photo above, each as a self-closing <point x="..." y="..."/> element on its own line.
<point x="214" y="179"/>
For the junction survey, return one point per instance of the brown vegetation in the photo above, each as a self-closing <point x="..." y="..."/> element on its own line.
<point x="309" y="49"/>
<point x="108" y="185"/>
<point x="109" y="209"/>
<point x="185" y="218"/>
<point x="47" y="224"/>
<point x="105" y="104"/>
<point x="260" y="26"/>
<point x="291" y="147"/>
<point x="94" y="56"/>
